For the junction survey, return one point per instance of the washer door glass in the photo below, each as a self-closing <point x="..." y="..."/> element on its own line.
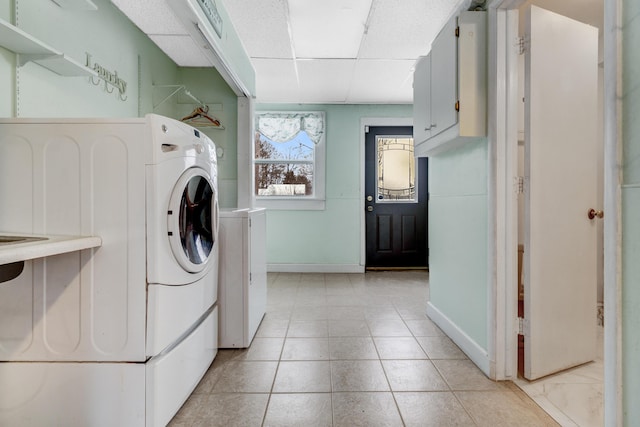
<point x="195" y="198"/>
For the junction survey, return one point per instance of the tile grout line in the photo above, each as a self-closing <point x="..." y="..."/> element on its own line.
<point x="273" y="382"/>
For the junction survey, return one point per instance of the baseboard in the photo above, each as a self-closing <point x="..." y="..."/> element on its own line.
<point x="315" y="268"/>
<point x="477" y="354"/>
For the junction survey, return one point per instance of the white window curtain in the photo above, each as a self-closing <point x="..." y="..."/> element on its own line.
<point x="284" y="127"/>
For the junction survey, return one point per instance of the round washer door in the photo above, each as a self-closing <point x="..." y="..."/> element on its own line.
<point x="192" y="219"/>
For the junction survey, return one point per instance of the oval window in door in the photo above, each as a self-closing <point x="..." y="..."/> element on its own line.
<point x="192" y="205"/>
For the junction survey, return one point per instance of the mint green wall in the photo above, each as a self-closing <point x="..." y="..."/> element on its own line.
<point x="114" y="43"/>
<point x="331" y="236"/>
<point x="631" y="212"/>
<point x="458" y="236"/>
<point x="112" y="40"/>
<point x="211" y="89"/>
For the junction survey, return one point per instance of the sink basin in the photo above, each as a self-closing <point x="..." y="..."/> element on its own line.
<point x="8" y="240"/>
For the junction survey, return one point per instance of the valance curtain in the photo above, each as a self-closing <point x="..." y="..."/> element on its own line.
<point x="286" y="126"/>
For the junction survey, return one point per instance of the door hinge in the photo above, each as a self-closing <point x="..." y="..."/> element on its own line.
<point x="522" y="326"/>
<point x="518" y="184"/>
<point x="457" y="32"/>
<point x="250" y="277"/>
<point x="457" y="105"/>
<point x="249" y="222"/>
<point x="522" y="44"/>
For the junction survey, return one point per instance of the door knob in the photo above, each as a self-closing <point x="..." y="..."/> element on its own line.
<point x="594" y="213"/>
<point x="370" y="208"/>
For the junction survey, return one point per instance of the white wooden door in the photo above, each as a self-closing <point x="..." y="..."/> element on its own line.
<point x="560" y="161"/>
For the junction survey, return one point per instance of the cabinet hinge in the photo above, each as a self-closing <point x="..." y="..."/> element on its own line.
<point x="521" y="45"/>
<point x="518" y="184"/>
<point x="457" y="32"/>
<point x="457" y="105"/>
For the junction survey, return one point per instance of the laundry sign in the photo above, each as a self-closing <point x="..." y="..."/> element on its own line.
<point x="211" y="11"/>
<point x="110" y="79"/>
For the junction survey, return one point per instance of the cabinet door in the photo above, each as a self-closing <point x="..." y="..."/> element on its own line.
<point x="444" y="78"/>
<point x="422" y="100"/>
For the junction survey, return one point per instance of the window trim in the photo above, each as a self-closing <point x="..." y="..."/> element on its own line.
<point x="314" y="202"/>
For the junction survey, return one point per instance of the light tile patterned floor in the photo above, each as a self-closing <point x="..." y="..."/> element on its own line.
<point x="352" y="350"/>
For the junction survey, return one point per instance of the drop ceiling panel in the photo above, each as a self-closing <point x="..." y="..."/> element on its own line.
<point x="388" y="80"/>
<point x="182" y="50"/>
<point x="276" y="80"/>
<point x="262" y="26"/>
<point x="328" y="28"/>
<point x="325" y="80"/>
<point x="404" y="29"/>
<point x="151" y="16"/>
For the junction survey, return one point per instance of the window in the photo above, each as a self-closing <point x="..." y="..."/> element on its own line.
<point x="396" y="171"/>
<point x="289" y="160"/>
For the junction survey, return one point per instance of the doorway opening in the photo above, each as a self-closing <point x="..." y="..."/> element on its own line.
<point x="571" y="391"/>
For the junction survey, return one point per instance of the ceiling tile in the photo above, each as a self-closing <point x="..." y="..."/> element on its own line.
<point x="151" y="16"/>
<point x="182" y="50"/>
<point x="404" y="29"/>
<point x="276" y="80"/>
<point x="328" y="28"/>
<point x="376" y="80"/>
<point x="324" y="80"/>
<point x="262" y="26"/>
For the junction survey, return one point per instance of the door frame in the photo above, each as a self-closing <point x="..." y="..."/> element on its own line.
<point x="365" y="122"/>
<point x="503" y="88"/>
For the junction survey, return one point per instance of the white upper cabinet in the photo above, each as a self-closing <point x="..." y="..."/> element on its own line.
<point x="449" y="87"/>
<point x="422" y="99"/>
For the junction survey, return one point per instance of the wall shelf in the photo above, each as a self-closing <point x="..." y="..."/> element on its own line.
<point x="30" y="49"/>
<point x="15" y="250"/>
<point x="44" y="246"/>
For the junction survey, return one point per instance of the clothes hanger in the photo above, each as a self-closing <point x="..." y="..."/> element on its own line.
<point x="199" y="117"/>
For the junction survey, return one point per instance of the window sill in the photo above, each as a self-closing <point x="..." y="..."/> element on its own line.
<point x="287" y="204"/>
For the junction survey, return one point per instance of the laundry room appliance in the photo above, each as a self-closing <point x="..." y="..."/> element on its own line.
<point x="242" y="275"/>
<point x="121" y="334"/>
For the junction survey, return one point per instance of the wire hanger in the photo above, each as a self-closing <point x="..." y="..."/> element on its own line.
<point x="199" y="117"/>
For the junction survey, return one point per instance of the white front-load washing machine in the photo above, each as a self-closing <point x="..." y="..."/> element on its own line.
<point x="182" y="231"/>
<point x="182" y="262"/>
<point x="120" y="334"/>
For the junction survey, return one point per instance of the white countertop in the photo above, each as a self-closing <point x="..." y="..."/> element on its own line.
<point x="51" y="245"/>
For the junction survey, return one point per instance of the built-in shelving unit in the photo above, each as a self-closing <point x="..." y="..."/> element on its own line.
<point x="30" y="49"/>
